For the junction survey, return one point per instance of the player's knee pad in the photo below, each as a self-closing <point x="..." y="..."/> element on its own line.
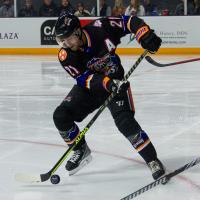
<point x="126" y="123"/>
<point x="139" y="140"/>
<point x="71" y="134"/>
<point x="62" y="118"/>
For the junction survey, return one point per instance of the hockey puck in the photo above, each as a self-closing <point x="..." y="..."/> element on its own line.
<point x="55" y="179"/>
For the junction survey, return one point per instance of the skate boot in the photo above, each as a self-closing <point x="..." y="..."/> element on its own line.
<point x="156" y="168"/>
<point x="79" y="159"/>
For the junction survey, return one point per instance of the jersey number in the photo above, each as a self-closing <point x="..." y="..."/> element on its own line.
<point x="116" y="24"/>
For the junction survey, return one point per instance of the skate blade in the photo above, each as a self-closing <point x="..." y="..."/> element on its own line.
<point x="82" y="164"/>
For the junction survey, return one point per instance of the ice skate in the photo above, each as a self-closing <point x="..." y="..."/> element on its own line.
<point x="156" y="168"/>
<point x="79" y="159"/>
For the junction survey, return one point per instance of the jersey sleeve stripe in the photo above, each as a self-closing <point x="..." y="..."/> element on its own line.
<point x="88" y="38"/>
<point x="129" y="24"/>
<point x="88" y="81"/>
<point x="105" y="81"/>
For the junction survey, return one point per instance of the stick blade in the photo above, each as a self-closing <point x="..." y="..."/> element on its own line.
<point x="153" y="62"/>
<point x="27" y="178"/>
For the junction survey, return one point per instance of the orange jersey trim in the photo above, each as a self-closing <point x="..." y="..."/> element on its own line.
<point x="129" y="24"/>
<point x="88" y="81"/>
<point x="88" y="38"/>
<point x="105" y="81"/>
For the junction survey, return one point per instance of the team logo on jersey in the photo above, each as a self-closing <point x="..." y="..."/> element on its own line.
<point x="62" y="55"/>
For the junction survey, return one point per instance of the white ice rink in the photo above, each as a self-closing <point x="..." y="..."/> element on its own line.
<point x="167" y="102"/>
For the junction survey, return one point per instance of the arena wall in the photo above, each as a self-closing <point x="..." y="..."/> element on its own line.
<point x="180" y="35"/>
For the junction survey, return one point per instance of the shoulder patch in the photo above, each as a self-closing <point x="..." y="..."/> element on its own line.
<point x="62" y="55"/>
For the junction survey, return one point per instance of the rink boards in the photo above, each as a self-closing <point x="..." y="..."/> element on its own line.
<point x="36" y="35"/>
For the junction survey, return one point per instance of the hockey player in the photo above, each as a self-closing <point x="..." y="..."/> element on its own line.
<point x="88" y="55"/>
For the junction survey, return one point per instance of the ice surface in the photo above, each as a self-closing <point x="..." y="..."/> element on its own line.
<point x="167" y="102"/>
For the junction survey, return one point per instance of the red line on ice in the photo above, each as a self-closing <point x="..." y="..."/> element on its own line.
<point x="181" y="177"/>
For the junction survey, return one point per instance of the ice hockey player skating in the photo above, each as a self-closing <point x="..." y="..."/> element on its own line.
<point x="88" y="55"/>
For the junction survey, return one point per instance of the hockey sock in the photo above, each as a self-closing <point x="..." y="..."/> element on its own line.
<point x="70" y="136"/>
<point x="144" y="147"/>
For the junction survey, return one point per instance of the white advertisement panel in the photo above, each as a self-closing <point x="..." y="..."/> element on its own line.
<point x="176" y="32"/>
<point x="19" y="32"/>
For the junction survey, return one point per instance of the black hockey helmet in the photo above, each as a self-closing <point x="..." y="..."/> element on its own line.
<point x="66" y="24"/>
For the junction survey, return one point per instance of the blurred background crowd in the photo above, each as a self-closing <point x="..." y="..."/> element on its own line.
<point x="81" y="8"/>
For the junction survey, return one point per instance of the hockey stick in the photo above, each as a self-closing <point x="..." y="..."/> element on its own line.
<point x="46" y="176"/>
<point x="162" y="180"/>
<point x="153" y="62"/>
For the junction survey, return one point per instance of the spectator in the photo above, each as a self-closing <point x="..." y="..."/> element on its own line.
<point x="48" y="9"/>
<point x="135" y="8"/>
<point x="105" y="10"/>
<point x="66" y="7"/>
<point x="7" y="9"/>
<point x="28" y="9"/>
<point x="118" y="8"/>
<point x="197" y="7"/>
<point x="165" y="12"/>
<point x="81" y="11"/>
<point x="180" y="8"/>
<point x="150" y="9"/>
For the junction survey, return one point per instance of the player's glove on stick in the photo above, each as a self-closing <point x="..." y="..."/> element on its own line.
<point x="150" y="41"/>
<point x="144" y="34"/>
<point x="111" y="86"/>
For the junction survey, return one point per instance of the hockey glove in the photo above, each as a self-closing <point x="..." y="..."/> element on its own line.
<point x="111" y="86"/>
<point x="144" y="34"/>
<point x="150" y="41"/>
